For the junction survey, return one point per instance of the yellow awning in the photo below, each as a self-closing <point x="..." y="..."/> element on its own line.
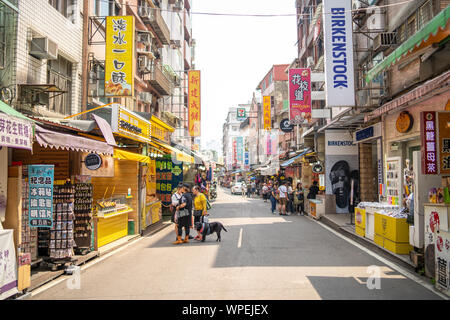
<point x="181" y="156"/>
<point x="125" y="155"/>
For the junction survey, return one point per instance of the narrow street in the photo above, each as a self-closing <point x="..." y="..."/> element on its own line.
<point x="262" y="256"/>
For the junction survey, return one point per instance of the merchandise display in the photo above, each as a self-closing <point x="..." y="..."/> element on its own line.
<point x="83" y="215"/>
<point x="58" y="241"/>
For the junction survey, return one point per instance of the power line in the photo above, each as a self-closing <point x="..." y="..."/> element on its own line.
<point x="265" y="15"/>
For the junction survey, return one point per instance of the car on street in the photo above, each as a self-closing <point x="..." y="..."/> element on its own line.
<point x="237" y="188"/>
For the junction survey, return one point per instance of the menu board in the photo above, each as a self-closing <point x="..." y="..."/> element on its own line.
<point x="394" y="181"/>
<point x="168" y="175"/>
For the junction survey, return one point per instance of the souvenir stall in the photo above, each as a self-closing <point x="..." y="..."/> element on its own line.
<point x="16" y="132"/>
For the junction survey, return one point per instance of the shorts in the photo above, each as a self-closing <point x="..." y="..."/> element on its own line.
<point x="283" y="201"/>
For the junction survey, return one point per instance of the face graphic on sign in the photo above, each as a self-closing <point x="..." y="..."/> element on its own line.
<point x="434" y="221"/>
<point x="340" y="182"/>
<point x="439" y="243"/>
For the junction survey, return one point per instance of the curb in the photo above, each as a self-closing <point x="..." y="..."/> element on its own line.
<point x="372" y="246"/>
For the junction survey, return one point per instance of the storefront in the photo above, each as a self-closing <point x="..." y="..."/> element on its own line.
<point x="16" y="132"/>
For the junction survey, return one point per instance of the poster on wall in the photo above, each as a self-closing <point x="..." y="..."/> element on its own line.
<point x="41" y="195"/>
<point x="119" y="75"/>
<point x="300" y="95"/>
<point x="341" y="162"/>
<point x="8" y="265"/>
<point x="3" y="181"/>
<point x="338" y="47"/>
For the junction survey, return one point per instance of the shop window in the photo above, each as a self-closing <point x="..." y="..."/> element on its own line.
<point x="59" y="73"/>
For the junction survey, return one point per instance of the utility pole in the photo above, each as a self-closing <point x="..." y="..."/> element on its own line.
<point x="85" y="57"/>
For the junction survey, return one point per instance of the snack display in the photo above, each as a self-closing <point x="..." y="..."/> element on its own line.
<point x="83" y="215"/>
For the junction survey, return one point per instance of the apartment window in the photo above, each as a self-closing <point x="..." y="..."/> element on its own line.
<point x="104" y="8"/>
<point x="425" y="14"/>
<point x="411" y="27"/>
<point x="63" y="6"/>
<point x="59" y="73"/>
<point x="3" y="26"/>
<point x="270" y="78"/>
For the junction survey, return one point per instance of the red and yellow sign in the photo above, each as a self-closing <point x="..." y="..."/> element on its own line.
<point x="266" y="111"/>
<point x="444" y="142"/>
<point x="119" y="71"/>
<point x="194" y="103"/>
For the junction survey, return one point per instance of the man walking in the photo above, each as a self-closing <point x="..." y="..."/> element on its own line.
<point x="176" y="201"/>
<point x="184" y="216"/>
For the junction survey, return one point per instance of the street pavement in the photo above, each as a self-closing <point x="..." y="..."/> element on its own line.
<point x="262" y="256"/>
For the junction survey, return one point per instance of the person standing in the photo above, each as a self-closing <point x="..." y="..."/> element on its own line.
<point x="283" y="199"/>
<point x="273" y="197"/>
<point x="184" y="216"/>
<point x="176" y="201"/>
<point x="299" y="199"/>
<point x="199" y="207"/>
<point x="313" y="191"/>
<point x="253" y="187"/>
<point x="265" y="192"/>
<point x="290" y="198"/>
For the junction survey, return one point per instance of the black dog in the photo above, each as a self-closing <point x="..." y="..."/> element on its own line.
<point x="210" y="228"/>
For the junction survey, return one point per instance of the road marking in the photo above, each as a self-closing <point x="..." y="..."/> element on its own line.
<point x="240" y="239"/>
<point x="387" y="262"/>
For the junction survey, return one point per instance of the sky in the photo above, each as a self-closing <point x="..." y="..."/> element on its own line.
<point x="235" y="53"/>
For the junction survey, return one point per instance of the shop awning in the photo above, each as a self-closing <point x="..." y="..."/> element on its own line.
<point x="106" y="130"/>
<point x="12" y="112"/>
<point x="52" y="139"/>
<point x="125" y="155"/>
<point x="436" y="30"/>
<point x="180" y="155"/>
<point x="292" y="160"/>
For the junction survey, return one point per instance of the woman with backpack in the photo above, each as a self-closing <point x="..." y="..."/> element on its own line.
<point x="273" y="197"/>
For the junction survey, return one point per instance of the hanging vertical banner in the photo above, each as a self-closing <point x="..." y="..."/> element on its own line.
<point x="41" y="195"/>
<point x="240" y="149"/>
<point x="338" y="45"/>
<point x="194" y="103"/>
<point x="300" y="95"/>
<point x="429" y="150"/>
<point x="444" y="142"/>
<point x="241" y="114"/>
<point x="266" y="111"/>
<point x="119" y="70"/>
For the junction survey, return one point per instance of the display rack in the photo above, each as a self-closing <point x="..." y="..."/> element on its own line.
<point x="56" y="244"/>
<point x="83" y="217"/>
<point x="394" y="192"/>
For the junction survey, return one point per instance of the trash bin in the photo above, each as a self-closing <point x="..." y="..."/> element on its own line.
<point x="130" y="227"/>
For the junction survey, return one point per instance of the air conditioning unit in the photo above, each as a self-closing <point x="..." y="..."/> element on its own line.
<point x="44" y="48"/>
<point x="144" y="63"/>
<point x="310" y="62"/>
<point x="178" y="6"/>
<point x="145" y="96"/>
<point x="382" y="41"/>
<point x="377" y="19"/>
<point x="175" y="43"/>
<point x="358" y="5"/>
<point x="144" y="37"/>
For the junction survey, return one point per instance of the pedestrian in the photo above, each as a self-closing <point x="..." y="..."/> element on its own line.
<point x="184" y="216"/>
<point x="249" y="190"/>
<point x="253" y="188"/>
<point x="265" y="192"/>
<point x="176" y="201"/>
<point x="283" y="198"/>
<point x="299" y="199"/>
<point x="313" y="190"/>
<point x="273" y="198"/>
<point x="200" y="210"/>
<point x="290" y="198"/>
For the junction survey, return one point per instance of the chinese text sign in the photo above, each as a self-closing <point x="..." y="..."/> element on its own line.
<point x="266" y="110"/>
<point x="40" y="178"/>
<point x="194" y="103"/>
<point x="15" y="133"/>
<point x="429" y="150"/>
<point x="119" y="75"/>
<point x="300" y="95"/>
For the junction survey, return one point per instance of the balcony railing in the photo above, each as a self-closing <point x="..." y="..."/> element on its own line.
<point x="153" y="17"/>
<point x="187" y="26"/>
<point x="187" y="55"/>
<point x="159" y="79"/>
